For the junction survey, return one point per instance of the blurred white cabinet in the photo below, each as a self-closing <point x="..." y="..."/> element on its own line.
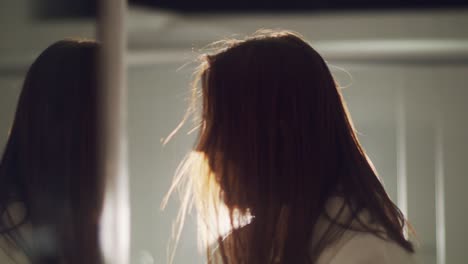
<point x="412" y="122"/>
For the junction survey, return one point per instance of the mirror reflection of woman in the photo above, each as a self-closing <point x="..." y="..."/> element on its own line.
<point x="50" y="198"/>
<point x="278" y="162"/>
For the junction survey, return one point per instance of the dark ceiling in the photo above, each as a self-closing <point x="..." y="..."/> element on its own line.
<point x="52" y="9"/>
<point x="242" y="6"/>
<point x="64" y="9"/>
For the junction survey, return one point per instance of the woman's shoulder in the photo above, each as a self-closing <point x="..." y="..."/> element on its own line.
<point x="10" y="254"/>
<point x="362" y="248"/>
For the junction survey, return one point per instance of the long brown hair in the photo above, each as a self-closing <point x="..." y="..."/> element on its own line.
<point x="49" y="163"/>
<point x="276" y="143"/>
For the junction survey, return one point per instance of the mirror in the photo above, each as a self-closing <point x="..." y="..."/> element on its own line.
<point x="48" y="145"/>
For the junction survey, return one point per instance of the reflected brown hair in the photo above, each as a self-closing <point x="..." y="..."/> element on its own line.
<point x="49" y="164"/>
<point x="275" y="144"/>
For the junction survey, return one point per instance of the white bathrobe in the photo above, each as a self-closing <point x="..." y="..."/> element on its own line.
<point x="354" y="247"/>
<point x="9" y="254"/>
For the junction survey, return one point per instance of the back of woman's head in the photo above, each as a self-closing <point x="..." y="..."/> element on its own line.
<point x="49" y="163"/>
<point x="275" y="144"/>
<point x="274" y="122"/>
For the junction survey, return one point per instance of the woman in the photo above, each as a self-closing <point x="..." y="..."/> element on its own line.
<point x="50" y="195"/>
<point x="277" y="173"/>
